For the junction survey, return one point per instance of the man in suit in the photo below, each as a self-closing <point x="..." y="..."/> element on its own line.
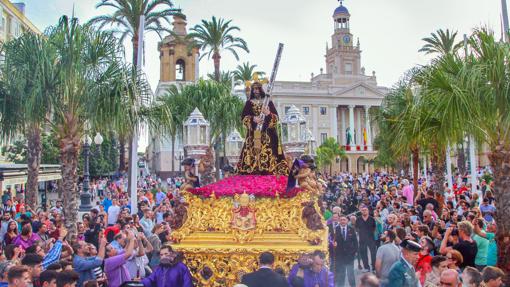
<point x="346" y="246"/>
<point x="402" y="273"/>
<point x="265" y="276"/>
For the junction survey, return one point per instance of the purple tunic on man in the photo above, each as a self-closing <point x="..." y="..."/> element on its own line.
<point x="19" y="241"/>
<point x="177" y="275"/>
<point x="311" y="279"/>
<point x="116" y="270"/>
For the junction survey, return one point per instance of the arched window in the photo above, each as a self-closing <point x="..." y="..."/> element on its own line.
<point x="180" y="70"/>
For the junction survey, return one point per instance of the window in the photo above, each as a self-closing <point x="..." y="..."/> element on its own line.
<point x="306" y="111"/>
<point x="180" y="70"/>
<point x="12" y="29"/>
<point x="287" y="108"/>
<point x="348" y="68"/>
<point x="2" y="20"/>
<point x="18" y="30"/>
<point x="324" y="111"/>
<point x="324" y="136"/>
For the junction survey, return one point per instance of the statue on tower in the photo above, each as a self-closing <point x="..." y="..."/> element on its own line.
<point x="262" y="153"/>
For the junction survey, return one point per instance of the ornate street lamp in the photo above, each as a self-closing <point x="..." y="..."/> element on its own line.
<point x="85" y="196"/>
<point x="294" y="132"/>
<point x="196" y="135"/>
<point x="234" y="146"/>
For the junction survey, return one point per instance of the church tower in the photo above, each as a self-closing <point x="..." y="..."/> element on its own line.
<point x="343" y="59"/>
<point x="178" y="60"/>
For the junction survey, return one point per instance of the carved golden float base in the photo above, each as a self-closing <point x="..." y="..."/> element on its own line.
<point x="218" y="253"/>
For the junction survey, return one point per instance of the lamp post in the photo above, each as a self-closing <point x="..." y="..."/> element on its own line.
<point x="179" y="157"/>
<point x="85" y="196"/>
<point x="294" y="132"/>
<point x="234" y="146"/>
<point x="196" y="136"/>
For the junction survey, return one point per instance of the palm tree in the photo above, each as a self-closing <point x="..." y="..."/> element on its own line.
<point x="327" y="152"/>
<point x="216" y="103"/>
<point x="245" y="72"/>
<point x="441" y="42"/>
<point x="444" y="43"/>
<point x="398" y="119"/>
<point x="84" y="55"/>
<point x="126" y="18"/>
<point x="439" y="131"/>
<point x="408" y="128"/>
<point x="95" y="87"/>
<point x="471" y="96"/>
<point x="214" y="37"/>
<point x="27" y="79"/>
<point x="180" y="107"/>
<point x="226" y="78"/>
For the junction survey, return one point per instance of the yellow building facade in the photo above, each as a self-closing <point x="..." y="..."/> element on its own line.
<point x="178" y="59"/>
<point x="14" y="22"/>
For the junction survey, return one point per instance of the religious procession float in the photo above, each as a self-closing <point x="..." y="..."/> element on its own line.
<point x="270" y="203"/>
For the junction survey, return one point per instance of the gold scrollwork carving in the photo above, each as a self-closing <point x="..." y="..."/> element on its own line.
<point x="218" y="254"/>
<point x="227" y="266"/>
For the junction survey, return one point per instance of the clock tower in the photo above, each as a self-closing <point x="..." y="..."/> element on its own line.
<point x="343" y="59"/>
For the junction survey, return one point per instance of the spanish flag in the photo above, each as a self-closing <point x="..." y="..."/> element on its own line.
<point x="364" y="136"/>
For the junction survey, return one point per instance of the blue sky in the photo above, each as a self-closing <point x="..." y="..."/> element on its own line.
<point x="390" y="31"/>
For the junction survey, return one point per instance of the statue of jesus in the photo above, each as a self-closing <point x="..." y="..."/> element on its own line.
<point x="261" y="155"/>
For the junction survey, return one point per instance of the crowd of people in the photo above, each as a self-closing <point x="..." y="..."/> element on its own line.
<point x="382" y="232"/>
<point x="411" y="237"/>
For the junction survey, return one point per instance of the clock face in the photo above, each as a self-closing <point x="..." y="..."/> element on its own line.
<point x="347" y="39"/>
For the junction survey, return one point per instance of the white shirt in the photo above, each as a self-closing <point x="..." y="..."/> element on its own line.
<point x="343" y="231"/>
<point x="113" y="214"/>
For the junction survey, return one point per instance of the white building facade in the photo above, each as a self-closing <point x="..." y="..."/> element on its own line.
<point x="338" y="103"/>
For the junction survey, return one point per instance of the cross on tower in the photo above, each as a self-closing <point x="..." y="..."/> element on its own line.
<point x="341" y="2"/>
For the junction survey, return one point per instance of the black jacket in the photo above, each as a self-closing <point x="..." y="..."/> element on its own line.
<point x="366" y="228"/>
<point x="264" y="277"/>
<point x="345" y="250"/>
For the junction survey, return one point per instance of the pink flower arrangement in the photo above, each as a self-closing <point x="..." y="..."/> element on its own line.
<point x="257" y="185"/>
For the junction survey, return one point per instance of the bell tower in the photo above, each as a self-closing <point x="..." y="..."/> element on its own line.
<point x="343" y="59"/>
<point x="178" y="58"/>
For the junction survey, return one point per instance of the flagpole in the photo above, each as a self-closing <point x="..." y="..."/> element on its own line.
<point x="133" y="164"/>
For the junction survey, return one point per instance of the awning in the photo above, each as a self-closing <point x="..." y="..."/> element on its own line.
<point x="23" y="179"/>
<point x="11" y="174"/>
